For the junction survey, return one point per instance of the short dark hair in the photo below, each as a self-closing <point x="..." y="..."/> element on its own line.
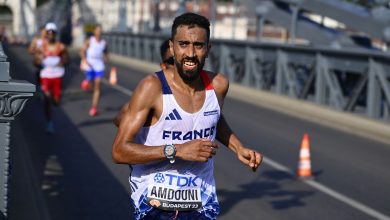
<point x="191" y="19"/>
<point x="163" y="48"/>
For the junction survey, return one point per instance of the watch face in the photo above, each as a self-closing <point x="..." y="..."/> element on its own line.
<point x="169" y="150"/>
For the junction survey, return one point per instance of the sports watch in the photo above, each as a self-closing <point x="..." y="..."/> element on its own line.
<point x="170" y="152"/>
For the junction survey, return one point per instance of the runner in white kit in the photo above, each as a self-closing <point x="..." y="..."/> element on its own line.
<point x="167" y="132"/>
<point x="93" y="55"/>
<point x="53" y="58"/>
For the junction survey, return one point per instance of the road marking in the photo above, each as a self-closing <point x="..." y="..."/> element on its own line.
<point x="330" y="192"/>
<point x="118" y="87"/>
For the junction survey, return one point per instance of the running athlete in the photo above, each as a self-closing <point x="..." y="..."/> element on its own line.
<point x="168" y="130"/>
<point x="35" y="44"/>
<point x="54" y="56"/>
<point x="167" y="60"/>
<point x="93" y="55"/>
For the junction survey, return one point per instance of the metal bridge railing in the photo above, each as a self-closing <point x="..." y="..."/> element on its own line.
<point x="354" y="80"/>
<point x="13" y="96"/>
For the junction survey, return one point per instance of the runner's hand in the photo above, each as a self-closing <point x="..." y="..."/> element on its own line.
<point x="196" y="150"/>
<point x="250" y="157"/>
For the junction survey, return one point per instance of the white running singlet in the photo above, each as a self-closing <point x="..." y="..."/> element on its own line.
<point x="51" y="62"/>
<point x="183" y="185"/>
<point x="95" y="54"/>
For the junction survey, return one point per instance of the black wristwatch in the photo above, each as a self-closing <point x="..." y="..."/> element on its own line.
<point x="170" y="152"/>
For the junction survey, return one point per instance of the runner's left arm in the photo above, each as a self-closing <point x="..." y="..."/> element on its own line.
<point x="119" y="117"/>
<point x="37" y="56"/>
<point x="226" y="135"/>
<point x="64" y="55"/>
<point x="105" y="54"/>
<point x="32" y="47"/>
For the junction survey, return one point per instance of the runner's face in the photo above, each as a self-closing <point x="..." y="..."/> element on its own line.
<point x="190" y="49"/>
<point x="51" y="35"/>
<point x="98" y="31"/>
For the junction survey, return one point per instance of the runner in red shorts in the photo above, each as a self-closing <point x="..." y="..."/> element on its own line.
<point x="54" y="56"/>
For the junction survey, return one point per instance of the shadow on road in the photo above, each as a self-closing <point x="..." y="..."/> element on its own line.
<point x="269" y="186"/>
<point x="73" y="180"/>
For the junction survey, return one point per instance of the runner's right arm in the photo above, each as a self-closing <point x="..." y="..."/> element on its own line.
<point x="33" y="46"/>
<point x="118" y="118"/>
<point x="83" y="51"/>
<point x="146" y="101"/>
<point x="38" y="55"/>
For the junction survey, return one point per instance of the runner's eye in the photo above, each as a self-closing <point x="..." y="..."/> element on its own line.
<point x="199" y="45"/>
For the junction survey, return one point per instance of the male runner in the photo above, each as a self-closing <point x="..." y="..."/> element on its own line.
<point x="167" y="132"/>
<point x="93" y="55"/>
<point x="167" y="60"/>
<point x="35" y="44"/>
<point x="54" y="56"/>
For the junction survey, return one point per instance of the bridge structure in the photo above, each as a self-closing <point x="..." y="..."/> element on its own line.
<point x="352" y="80"/>
<point x="334" y="23"/>
<point x="332" y="70"/>
<point x="18" y="17"/>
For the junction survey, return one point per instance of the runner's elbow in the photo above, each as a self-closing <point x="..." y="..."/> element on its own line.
<point x="117" y="157"/>
<point x="120" y="155"/>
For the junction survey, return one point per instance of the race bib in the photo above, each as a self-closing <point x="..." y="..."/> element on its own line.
<point x="173" y="192"/>
<point x="51" y="61"/>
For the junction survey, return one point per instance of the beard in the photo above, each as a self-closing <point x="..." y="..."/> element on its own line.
<point x="189" y="75"/>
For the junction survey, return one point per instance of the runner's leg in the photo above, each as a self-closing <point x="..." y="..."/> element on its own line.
<point x="46" y="86"/>
<point x="45" y="82"/>
<point x="96" y="92"/>
<point x="57" y="88"/>
<point x="86" y="83"/>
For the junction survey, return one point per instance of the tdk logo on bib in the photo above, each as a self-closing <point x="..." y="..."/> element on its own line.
<point x="175" y="180"/>
<point x="159" y="178"/>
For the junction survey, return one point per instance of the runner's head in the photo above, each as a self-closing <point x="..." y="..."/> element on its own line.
<point x="166" y="55"/>
<point x="190" y="44"/>
<point x="191" y="20"/>
<point x="51" y="31"/>
<point x="97" y="30"/>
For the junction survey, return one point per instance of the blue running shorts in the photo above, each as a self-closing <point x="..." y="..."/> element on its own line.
<point x="91" y="74"/>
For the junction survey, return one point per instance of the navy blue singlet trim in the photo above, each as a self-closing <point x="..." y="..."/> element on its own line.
<point x="165" y="87"/>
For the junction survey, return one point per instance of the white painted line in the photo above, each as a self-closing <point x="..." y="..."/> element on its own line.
<point x="118" y="87"/>
<point x="332" y="193"/>
<point x="349" y="201"/>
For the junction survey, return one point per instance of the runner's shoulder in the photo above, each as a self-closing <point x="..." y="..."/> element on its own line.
<point x="61" y="45"/>
<point x="219" y="81"/>
<point x="150" y="85"/>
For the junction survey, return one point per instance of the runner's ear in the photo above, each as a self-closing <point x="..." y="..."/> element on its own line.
<point x="208" y="49"/>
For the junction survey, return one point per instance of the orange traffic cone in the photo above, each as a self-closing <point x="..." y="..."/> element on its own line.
<point x="304" y="164"/>
<point x="113" y="78"/>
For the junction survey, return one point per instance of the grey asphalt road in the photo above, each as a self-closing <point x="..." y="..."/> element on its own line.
<point x="73" y="176"/>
